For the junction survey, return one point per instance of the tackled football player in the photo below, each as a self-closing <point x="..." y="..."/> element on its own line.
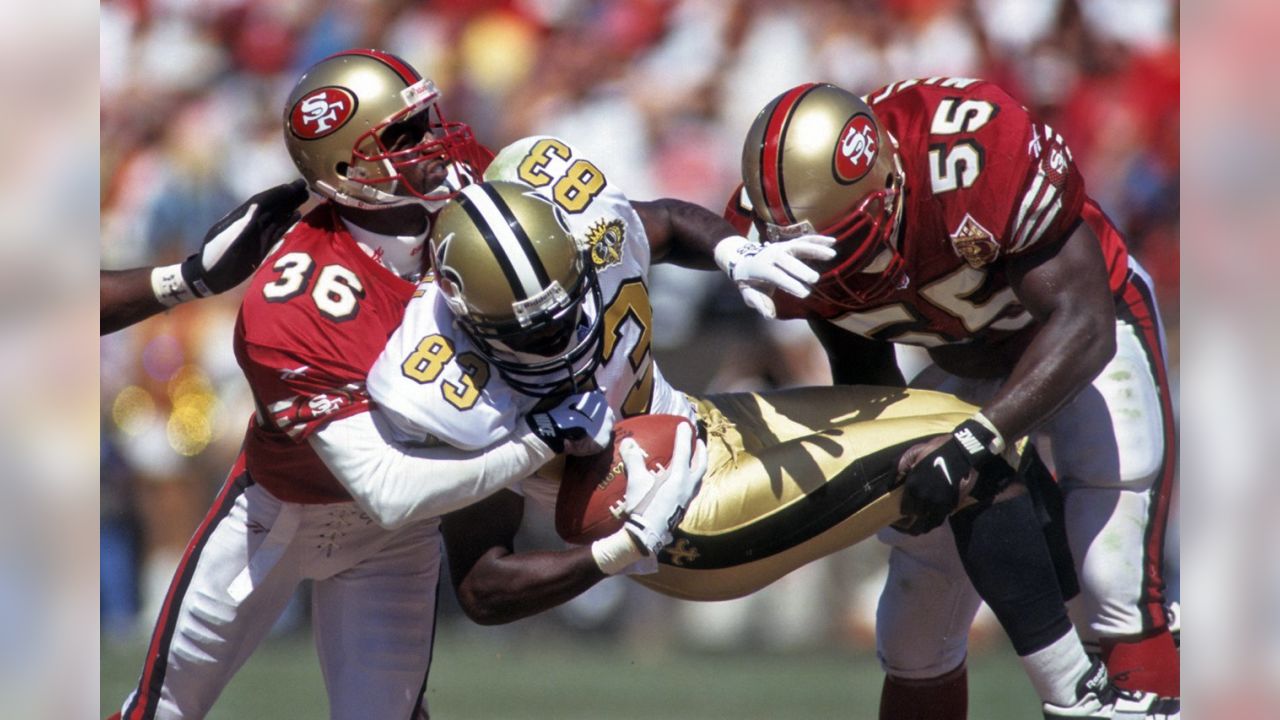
<point x="963" y="226"/>
<point x="790" y="476"/>
<point x="324" y="488"/>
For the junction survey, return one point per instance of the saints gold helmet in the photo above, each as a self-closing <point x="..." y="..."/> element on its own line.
<point x="520" y="285"/>
<point x="365" y="130"/>
<point x="817" y="159"/>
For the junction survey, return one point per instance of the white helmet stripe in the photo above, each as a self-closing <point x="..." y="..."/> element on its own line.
<point x="521" y="270"/>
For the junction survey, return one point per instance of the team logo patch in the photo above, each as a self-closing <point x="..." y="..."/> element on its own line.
<point x="681" y="552"/>
<point x="857" y="149"/>
<point x="974" y="243"/>
<point x="604" y="240"/>
<point x="321" y="112"/>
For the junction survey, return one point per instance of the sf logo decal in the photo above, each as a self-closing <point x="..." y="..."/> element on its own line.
<point x="321" y="112"/>
<point x="856" y="153"/>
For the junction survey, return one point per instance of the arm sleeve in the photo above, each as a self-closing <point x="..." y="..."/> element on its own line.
<point x="398" y="484"/>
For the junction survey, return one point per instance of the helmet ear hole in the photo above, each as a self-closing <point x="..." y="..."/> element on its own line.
<point x="341" y="168"/>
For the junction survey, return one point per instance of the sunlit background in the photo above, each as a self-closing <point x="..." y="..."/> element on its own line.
<point x="659" y="93"/>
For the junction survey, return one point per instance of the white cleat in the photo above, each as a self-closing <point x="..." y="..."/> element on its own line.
<point x="1100" y="700"/>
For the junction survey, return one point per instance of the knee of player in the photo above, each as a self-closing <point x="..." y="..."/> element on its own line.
<point x="918" y="661"/>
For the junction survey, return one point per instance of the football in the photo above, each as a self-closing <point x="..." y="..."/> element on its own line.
<point x="590" y="503"/>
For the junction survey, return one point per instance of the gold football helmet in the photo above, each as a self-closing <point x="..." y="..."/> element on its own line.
<point x="365" y="130"/>
<point x="817" y="159"/>
<point x="521" y="286"/>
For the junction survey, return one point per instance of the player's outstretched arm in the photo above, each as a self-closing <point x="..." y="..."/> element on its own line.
<point x="692" y="236"/>
<point x="231" y="251"/>
<point x="398" y="482"/>
<point x="1066" y="289"/>
<point x="125" y="297"/>
<point x="495" y="584"/>
<point x="682" y="233"/>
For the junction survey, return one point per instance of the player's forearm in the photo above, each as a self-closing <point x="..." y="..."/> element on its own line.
<point x="503" y="587"/>
<point x="125" y="297"/>
<point x="397" y="485"/>
<point x="683" y="233"/>
<point x="1064" y="357"/>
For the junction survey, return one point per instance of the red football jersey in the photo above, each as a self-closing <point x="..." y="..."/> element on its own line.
<point x="314" y="318"/>
<point x="983" y="181"/>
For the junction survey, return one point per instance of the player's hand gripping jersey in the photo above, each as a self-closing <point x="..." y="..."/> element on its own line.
<point x="313" y="319"/>
<point x="791" y="476"/>
<point x="982" y="183"/>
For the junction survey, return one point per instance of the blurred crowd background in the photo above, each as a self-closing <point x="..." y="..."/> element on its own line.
<point x="660" y="94"/>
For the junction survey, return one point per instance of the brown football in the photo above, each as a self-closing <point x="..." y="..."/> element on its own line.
<point x="590" y="503"/>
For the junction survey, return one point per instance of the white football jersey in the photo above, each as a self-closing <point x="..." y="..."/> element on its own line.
<point x="437" y="388"/>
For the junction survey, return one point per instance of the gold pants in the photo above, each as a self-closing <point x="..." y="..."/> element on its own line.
<point x="794" y="475"/>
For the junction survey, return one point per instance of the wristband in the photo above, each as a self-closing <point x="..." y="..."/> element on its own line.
<point x="729" y="251"/>
<point x="976" y="440"/>
<point x="997" y="445"/>
<point x="615" y="553"/>
<point x="169" y="287"/>
<point x="193" y="274"/>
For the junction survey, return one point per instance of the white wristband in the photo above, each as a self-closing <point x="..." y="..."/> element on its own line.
<point x="615" y="553"/>
<point x="729" y="251"/>
<point x="169" y="286"/>
<point x="998" y="444"/>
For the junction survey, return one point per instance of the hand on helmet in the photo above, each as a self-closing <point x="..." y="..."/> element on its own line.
<point x="580" y="425"/>
<point x="759" y="269"/>
<point x="236" y="244"/>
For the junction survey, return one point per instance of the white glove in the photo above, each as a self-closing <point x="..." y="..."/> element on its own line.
<point x="655" y="503"/>
<point x="580" y="425"/>
<point x="759" y="269"/>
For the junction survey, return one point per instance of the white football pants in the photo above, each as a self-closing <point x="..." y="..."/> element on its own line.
<point x="373" y="604"/>
<point x="1112" y="450"/>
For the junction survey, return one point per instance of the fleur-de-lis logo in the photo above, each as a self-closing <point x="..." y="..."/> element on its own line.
<point x="681" y="552"/>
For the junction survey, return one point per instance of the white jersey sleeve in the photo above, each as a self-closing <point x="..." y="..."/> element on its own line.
<point x="398" y="483"/>
<point x="434" y="386"/>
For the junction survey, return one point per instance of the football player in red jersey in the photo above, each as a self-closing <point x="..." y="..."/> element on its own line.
<point x="963" y="226"/>
<point x="325" y="487"/>
<point x="231" y="251"/>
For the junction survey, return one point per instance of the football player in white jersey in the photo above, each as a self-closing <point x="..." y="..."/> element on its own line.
<point x="540" y="289"/>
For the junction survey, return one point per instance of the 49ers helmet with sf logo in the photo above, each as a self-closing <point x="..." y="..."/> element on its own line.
<point x="817" y="159"/>
<point x="360" y="123"/>
<point x="521" y="286"/>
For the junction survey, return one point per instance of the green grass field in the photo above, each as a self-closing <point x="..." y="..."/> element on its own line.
<point x="494" y="673"/>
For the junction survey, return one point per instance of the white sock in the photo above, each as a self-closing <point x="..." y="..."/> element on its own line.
<point x="1056" y="670"/>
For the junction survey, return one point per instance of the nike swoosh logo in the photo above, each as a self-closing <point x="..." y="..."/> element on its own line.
<point x="942" y="465"/>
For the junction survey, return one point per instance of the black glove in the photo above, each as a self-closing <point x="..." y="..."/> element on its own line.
<point x="235" y="246"/>
<point x="581" y="424"/>
<point x="933" y="483"/>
